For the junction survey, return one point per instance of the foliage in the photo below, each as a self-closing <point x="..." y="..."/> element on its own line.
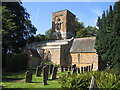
<point x="16" y="27"/>
<point x="16" y="62"/>
<point x="86" y="32"/>
<point x="108" y="37"/>
<point x="48" y="33"/>
<point x="40" y="37"/>
<point x="78" y="26"/>
<point x="103" y="79"/>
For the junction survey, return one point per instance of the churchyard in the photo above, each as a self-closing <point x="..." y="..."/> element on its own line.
<point x="56" y="76"/>
<point x="43" y="76"/>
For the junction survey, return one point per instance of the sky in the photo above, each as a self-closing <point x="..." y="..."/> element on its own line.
<point x="41" y="12"/>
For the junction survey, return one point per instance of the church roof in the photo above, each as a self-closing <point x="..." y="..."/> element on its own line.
<point x="83" y="45"/>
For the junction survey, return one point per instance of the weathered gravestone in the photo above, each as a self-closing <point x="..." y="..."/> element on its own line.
<point x="44" y="75"/>
<point x="62" y="69"/>
<point x="54" y="73"/>
<point x="93" y="85"/>
<point x="51" y="68"/>
<point x="74" y="70"/>
<point x="28" y="76"/>
<point x="38" y="71"/>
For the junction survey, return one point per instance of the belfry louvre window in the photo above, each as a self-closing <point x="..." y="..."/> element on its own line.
<point x="78" y="58"/>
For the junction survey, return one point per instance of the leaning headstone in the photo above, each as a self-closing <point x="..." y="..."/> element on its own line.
<point x="28" y="76"/>
<point x="54" y="73"/>
<point x="93" y="85"/>
<point x="45" y="75"/>
<point x="51" y="68"/>
<point x="62" y="69"/>
<point x="74" y="70"/>
<point x="38" y="71"/>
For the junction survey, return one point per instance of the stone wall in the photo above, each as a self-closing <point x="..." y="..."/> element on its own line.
<point x="64" y="20"/>
<point x="85" y="59"/>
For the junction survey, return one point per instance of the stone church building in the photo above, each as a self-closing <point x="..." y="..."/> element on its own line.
<point x="63" y="49"/>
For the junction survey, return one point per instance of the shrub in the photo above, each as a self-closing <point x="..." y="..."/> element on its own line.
<point x="103" y="79"/>
<point x="16" y="62"/>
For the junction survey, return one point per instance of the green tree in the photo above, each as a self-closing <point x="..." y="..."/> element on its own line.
<point x="87" y="32"/>
<point x="108" y="37"/>
<point x="48" y="33"/>
<point x="16" y="27"/>
<point x="78" y="26"/>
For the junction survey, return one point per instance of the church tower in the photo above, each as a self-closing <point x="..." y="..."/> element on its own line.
<point x="63" y="25"/>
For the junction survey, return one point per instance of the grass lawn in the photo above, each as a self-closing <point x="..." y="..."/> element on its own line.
<point x="17" y="80"/>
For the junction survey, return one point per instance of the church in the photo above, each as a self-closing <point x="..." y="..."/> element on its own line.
<point x="63" y="49"/>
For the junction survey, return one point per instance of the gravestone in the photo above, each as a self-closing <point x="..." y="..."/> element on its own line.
<point x="51" y="68"/>
<point x="74" y="66"/>
<point x="78" y="69"/>
<point x="28" y="76"/>
<point x="47" y="71"/>
<point x="66" y="68"/>
<point x="93" y="85"/>
<point x="62" y="69"/>
<point x="82" y="70"/>
<point x="74" y="70"/>
<point x="54" y="73"/>
<point x="89" y="68"/>
<point x="70" y="68"/>
<point x="45" y="75"/>
<point x="38" y="71"/>
<point x="92" y="67"/>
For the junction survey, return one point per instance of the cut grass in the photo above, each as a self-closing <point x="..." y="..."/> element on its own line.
<point x="17" y="80"/>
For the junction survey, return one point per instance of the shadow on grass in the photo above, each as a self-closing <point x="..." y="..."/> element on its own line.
<point x="11" y="79"/>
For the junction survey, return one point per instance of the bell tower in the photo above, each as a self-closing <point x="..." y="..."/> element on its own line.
<point x="63" y="25"/>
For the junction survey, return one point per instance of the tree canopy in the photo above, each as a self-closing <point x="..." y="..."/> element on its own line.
<point x="108" y="37"/>
<point x="16" y="27"/>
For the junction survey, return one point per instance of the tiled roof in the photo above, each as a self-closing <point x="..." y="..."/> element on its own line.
<point x="83" y="45"/>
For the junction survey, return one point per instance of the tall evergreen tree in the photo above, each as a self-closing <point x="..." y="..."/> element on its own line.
<point x="108" y="37"/>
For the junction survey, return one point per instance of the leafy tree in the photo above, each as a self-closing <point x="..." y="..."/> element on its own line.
<point x="87" y="32"/>
<point x="40" y="37"/>
<point x="78" y="26"/>
<point x="48" y="33"/>
<point x="16" y="27"/>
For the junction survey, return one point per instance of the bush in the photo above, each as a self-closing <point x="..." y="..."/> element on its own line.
<point x="103" y="79"/>
<point x="16" y="62"/>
